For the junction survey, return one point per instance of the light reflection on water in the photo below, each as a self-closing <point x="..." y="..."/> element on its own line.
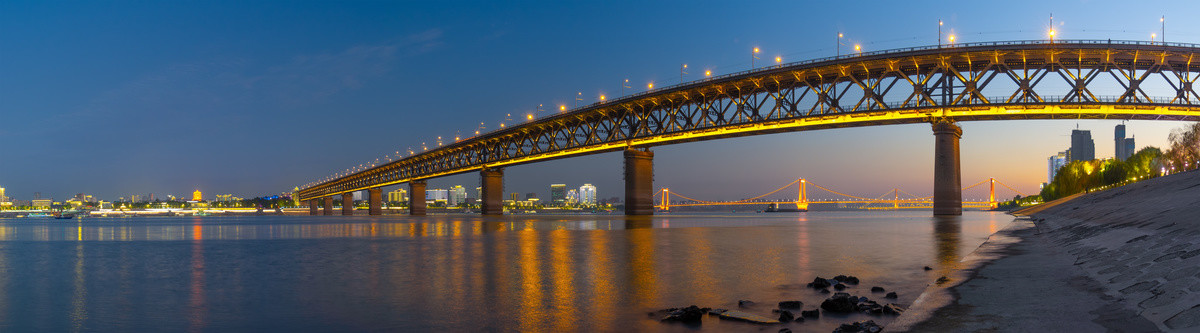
<point x="528" y="273"/>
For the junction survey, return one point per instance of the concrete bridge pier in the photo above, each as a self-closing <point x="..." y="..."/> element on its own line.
<point x="492" y="181"/>
<point x="947" y="174"/>
<point x="327" y="208"/>
<point x="639" y="182"/>
<point x="312" y="207"/>
<point x="416" y="197"/>
<point x="375" y="199"/>
<point x="348" y="203"/>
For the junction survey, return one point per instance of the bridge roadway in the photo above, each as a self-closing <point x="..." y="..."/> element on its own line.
<point x="1063" y="79"/>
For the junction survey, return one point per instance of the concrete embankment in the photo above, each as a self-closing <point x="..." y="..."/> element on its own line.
<point x="1125" y="259"/>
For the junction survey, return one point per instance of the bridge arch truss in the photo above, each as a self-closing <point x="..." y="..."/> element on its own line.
<point x="981" y="81"/>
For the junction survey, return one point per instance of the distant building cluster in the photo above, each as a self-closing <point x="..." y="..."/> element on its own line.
<point x="1083" y="148"/>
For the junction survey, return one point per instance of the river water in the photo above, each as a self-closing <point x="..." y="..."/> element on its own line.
<point x="459" y="272"/>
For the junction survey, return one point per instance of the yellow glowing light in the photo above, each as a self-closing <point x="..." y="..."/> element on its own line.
<point x="1052" y="33"/>
<point x="650" y="86"/>
<point x="501" y="125"/>
<point x="839" y="35"/>
<point x="562" y="108"/>
<point x="529" y="116"/>
<point x="952" y="39"/>
<point x="778" y="59"/>
<point x="601" y="98"/>
<point x="857" y="48"/>
<point x="684" y="65"/>
<point x="756" y="50"/>
<point x="1152" y="36"/>
<point x="707" y="73"/>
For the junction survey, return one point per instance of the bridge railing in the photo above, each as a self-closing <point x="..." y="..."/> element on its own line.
<point x="886" y="52"/>
<point x="948" y="47"/>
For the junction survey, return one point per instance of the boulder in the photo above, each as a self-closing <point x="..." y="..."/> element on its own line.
<point x="870" y="307"/>
<point x="840" y="303"/>
<point x="814" y="313"/>
<point x="847" y="279"/>
<point x="716" y="312"/>
<point x="744" y="303"/>
<point x="819" y="283"/>
<point x="839" y="286"/>
<point x="790" y="304"/>
<point x="893" y="309"/>
<point x="786" y="316"/>
<point x="688" y="315"/>
<point x="868" y="326"/>
<point x="928" y="269"/>
<point x="824" y="291"/>
<point x="891" y="295"/>
<point x="876" y="289"/>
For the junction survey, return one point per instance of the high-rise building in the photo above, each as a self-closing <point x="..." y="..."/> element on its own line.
<point x="1054" y="163"/>
<point x="197" y="196"/>
<point x="135" y="198"/>
<point x="458" y="195"/>
<point x="572" y="197"/>
<point x="587" y="195"/>
<point x="399" y="195"/>
<point x="558" y="194"/>
<point x="1082" y="146"/>
<point x="2" y="197"/>
<point x="1124" y="146"/>
<point x="435" y="195"/>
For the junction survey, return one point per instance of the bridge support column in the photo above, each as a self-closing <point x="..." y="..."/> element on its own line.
<point x="327" y="208"/>
<point x="947" y="174"/>
<point x="639" y="182"/>
<point x="492" y="201"/>
<point x="416" y="197"/>
<point x="312" y="207"/>
<point x="376" y="201"/>
<point x="348" y="203"/>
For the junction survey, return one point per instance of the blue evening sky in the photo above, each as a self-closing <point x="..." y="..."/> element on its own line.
<point x="113" y="98"/>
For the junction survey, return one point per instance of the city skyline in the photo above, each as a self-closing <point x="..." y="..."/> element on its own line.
<point x="175" y="103"/>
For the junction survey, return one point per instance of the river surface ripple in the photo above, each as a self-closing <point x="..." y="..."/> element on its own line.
<point x="458" y="272"/>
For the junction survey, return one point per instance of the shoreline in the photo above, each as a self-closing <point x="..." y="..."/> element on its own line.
<point x="1123" y="259"/>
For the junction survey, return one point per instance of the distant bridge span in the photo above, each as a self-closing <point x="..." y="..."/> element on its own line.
<point x="1064" y="79"/>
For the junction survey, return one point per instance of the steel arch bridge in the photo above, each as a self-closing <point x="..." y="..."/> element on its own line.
<point x="1063" y="79"/>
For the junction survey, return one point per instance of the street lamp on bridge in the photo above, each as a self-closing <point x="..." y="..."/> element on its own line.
<point x="753" y="56"/>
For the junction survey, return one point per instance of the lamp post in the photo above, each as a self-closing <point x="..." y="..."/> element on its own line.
<point x="681" y="72"/>
<point x="1163" y="21"/>
<point x="839" y="45"/>
<point x="939" y="33"/>
<point x="1051" y="28"/>
<point x="625" y="85"/>
<point x="753" y="55"/>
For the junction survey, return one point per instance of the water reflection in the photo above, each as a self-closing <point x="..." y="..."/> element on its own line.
<point x="196" y="307"/>
<point x="447" y="273"/>
<point x="947" y="231"/>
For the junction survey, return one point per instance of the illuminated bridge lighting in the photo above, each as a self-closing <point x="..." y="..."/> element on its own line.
<point x="972" y="81"/>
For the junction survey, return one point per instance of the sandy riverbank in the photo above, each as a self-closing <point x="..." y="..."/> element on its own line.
<point x="1126" y="259"/>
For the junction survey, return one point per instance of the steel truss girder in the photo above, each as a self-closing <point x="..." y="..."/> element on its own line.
<point x="1011" y="77"/>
